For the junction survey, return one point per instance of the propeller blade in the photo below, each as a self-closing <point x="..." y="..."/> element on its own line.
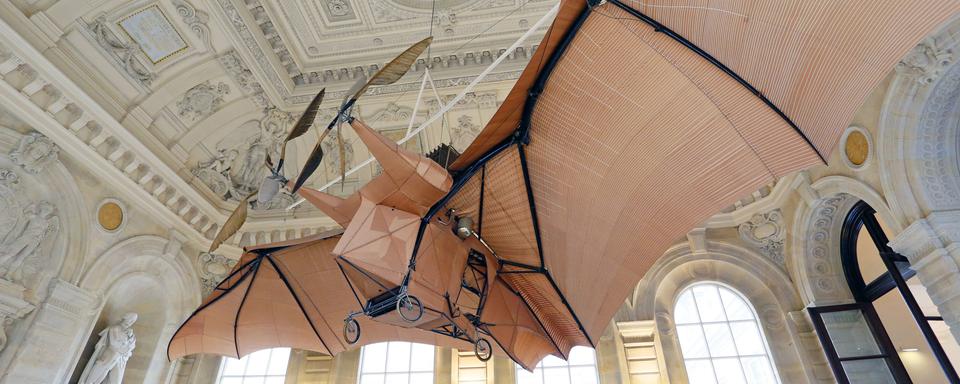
<point x="343" y="158"/>
<point x="313" y="162"/>
<point x="396" y="68"/>
<point x="304" y="123"/>
<point x="232" y="225"/>
<point x="390" y="73"/>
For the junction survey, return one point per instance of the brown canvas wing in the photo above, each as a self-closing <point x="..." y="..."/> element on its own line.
<point x="635" y="137"/>
<point x="514" y="327"/>
<point x="289" y="294"/>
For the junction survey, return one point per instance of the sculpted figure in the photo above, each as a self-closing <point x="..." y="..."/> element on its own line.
<point x="36" y="223"/>
<point x="109" y="359"/>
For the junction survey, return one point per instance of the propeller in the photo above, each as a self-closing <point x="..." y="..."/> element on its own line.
<point x="233" y="223"/>
<point x="303" y="124"/>
<point x="389" y="74"/>
<point x="274" y="181"/>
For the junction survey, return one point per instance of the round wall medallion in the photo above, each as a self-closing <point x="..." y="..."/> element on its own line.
<point x="110" y="216"/>
<point x="856" y="144"/>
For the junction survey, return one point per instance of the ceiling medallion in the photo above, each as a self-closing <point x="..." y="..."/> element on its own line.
<point x="856" y="144"/>
<point x="110" y="215"/>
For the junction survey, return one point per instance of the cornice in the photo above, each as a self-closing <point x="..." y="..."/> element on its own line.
<point x="50" y="102"/>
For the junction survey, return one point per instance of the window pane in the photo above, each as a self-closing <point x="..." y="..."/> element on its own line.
<point x="872" y="371"/>
<point x="686" y="310"/>
<point x="278" y="361"/>
<point x="734" y="306"/>
<point x="719" y="340"/>
<point x="398" y="357"/>
<point x="526" y="377"/>
<point x="748" y="338"/>
<point x="692" y="343"/>
<point x="708" y="302"/>
<point x="376" y="378"/>
<point x="582" y="356"/>
<point x="557" y="375"/>
<point x="581" y="367"/>
<point x="374" y="358"/>
<point x="584" y="375"/>
<point x="720" y="337"/>
<point x="234" y="367"/>
<point x="421" y="378"/>
<point x="422" y="358"/>
<point x="267" y="366"/>
<point x="257" y="363"/>
<point x="758" y="370"/>
<point x="728" y="371"/>
<point x="396" y="378"/>
<point x="850" y="334"/>
<point x="700" y="372"/>
<point x="397" y="363"/>
<point x="552" y="361"/>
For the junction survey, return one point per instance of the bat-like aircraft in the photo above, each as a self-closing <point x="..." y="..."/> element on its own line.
<point x="633" y="122"/>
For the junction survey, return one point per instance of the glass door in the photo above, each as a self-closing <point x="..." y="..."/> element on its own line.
<point x="857" y="346"/>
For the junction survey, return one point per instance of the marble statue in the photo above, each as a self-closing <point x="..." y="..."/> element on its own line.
<point x="221" y="162"/>
<point x="110" y="356"/>
<point x="35" y="224"/>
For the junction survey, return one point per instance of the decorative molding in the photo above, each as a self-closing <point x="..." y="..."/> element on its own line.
<point x="34" y="153"/>
<point x="195" y="19"/>
<point x="935" y="146"/>
<point x="822" y="247"/>
<point x="213" y="268"/>
<point x="926" y="61"/>
<point x="201" y="100"/>
<point x="767" y="232"/>
<point x="124" y="52"/>
<point x="235" y="67"/>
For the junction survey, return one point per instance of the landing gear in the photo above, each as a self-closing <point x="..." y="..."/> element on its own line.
<point x="351" y="330"/>
<point x="410" y="308"/>
<point x="483" y="350"/>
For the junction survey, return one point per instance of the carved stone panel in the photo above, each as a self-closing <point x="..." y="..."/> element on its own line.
<point x="34" y="153"/>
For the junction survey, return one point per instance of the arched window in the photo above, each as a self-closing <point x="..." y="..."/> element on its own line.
<point x="580" y="368"/>
<point x="396" y="362"/>
<point x="854" y="335"/>
<point x="267" y="366"/>
<point x="720" y="338"/>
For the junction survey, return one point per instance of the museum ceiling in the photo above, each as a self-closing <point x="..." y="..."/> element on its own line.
<point x="210" y="87"/>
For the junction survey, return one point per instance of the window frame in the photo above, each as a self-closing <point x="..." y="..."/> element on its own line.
<point x="566" y="366"/>
<point x="265" y="376"/>
<point x="898" y="270"/>
<point x="409" y="372"/>
<point x="768" y="352"/>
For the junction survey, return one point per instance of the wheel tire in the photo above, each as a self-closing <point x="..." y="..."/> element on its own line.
<point x="351" y="331"/>
<point x="410" y="308"/>
<point x="483" y="349"/>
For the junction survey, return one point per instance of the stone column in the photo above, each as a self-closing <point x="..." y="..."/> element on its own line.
<point x="933" y="247"/>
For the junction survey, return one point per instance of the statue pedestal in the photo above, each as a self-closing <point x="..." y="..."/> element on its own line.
<point x="12" y="307"/>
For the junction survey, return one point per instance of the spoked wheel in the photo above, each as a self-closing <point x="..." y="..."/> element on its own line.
<point x="351" y="330"/>
<point x="483" y="350"/>
<point x="410" y="308"/>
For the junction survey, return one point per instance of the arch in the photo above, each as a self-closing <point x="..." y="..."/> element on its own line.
<point x="814" y="257"/>
<point x="917" y="137"/>
<point x="744" y="270"/>
<point x="139" y="270"/>
<point x="56" y="184"/>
